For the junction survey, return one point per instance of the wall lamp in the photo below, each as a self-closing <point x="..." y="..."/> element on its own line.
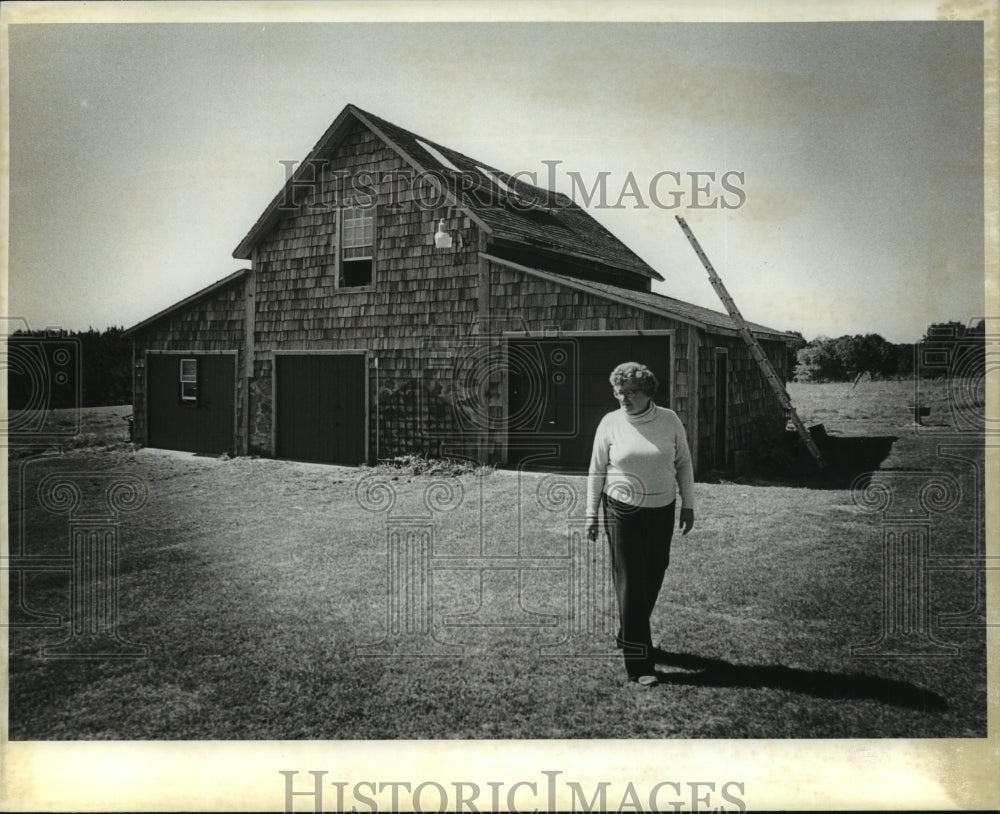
<point x="442" y="240"/>
<point x="442" y="237"/>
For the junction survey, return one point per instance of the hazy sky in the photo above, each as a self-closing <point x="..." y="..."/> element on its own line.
<point x="142" y="154"/>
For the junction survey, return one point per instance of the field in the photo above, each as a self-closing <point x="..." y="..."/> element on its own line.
<point x="267" y="604"/>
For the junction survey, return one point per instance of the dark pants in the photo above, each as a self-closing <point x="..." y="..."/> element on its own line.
<point x="640" y="553"/>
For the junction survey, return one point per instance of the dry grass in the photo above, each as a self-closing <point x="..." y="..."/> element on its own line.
<point x="255" y="582"/>
<point x="104" y="428"/>
<point x="873" y="407"/>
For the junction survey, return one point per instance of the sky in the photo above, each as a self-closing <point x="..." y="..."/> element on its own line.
<point x="140" y="155"/>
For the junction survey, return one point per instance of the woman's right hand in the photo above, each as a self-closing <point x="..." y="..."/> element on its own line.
<point x="592" y="531"/>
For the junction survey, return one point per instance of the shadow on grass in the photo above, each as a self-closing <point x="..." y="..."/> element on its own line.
<point x="708" y="672"/>
<point x="846" y="459"/>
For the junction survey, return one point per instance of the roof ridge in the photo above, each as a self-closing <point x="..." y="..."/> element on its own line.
<point x="516" y="216"/>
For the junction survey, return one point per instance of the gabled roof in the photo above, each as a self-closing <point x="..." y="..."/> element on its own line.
<point x="208" y="290"/>
<point x="659" y="304"/>
<point x="505" y="208"/>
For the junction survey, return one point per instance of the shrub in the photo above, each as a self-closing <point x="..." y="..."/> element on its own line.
<point x="421" y="465"/>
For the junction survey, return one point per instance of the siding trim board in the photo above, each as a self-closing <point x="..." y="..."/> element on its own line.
<point x="695" y="394"/>
<point x="249" y="322"/>
<point x="558" y="332"/>
<point x="721" y="411"/>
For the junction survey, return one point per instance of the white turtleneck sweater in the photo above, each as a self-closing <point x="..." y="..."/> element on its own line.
<point x="641" y="460"/>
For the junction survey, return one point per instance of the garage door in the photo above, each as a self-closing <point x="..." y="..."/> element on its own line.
<point x="320" y="407"/>
<point x="190" y="403"/>
<point x="558" y="391"/>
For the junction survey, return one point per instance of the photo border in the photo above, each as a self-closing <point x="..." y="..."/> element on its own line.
<point x="800" y="774"/>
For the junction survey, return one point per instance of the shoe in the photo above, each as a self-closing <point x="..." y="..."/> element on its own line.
<point x="647" y="681"/>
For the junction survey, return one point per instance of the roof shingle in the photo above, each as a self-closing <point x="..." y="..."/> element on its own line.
<point x="656" y="303"/>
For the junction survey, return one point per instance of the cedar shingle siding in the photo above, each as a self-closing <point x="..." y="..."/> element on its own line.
<point x="432" y="327"/>
<point x="418" y="292"/>
<point x="210" y="324"/>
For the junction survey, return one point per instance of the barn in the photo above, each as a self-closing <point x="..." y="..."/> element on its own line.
<point x="401" y="297"/>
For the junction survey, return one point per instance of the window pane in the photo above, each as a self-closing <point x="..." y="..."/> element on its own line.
<point x="189" y="379"/>
<point x="359" y="228"/>
<point x="357" y="252"/>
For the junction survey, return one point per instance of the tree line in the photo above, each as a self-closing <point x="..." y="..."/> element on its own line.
<point x="61" y="369"/>
<point x="946" y="349"/>
<point x="94" y="368"/>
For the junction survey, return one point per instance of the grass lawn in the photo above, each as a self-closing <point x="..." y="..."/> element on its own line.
<point x="259" y="585"/>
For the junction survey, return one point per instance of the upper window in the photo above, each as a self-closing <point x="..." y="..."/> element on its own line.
<point x="357" y="247"/>
<point x="189" y="379"/>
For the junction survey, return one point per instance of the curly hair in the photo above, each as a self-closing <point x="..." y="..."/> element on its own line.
<point x="632" y="375"/>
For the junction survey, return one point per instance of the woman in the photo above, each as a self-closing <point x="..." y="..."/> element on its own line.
<point x="639" y="463"/>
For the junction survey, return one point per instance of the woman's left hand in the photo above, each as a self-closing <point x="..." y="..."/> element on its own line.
<point x="687" y="520"/>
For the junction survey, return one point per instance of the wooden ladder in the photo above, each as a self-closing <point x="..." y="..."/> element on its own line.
<point x="755" y="349"/>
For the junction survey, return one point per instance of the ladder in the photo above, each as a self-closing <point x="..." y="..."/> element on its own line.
<point x="755" y="349"/>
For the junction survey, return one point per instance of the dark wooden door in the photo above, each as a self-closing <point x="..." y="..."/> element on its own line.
<point x="320" y="407"/>
<point x="565" y="392"/>
<point x="198" y="416"/>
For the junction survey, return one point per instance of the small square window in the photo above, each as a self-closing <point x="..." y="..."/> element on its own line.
<point x="189" y="379"/>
